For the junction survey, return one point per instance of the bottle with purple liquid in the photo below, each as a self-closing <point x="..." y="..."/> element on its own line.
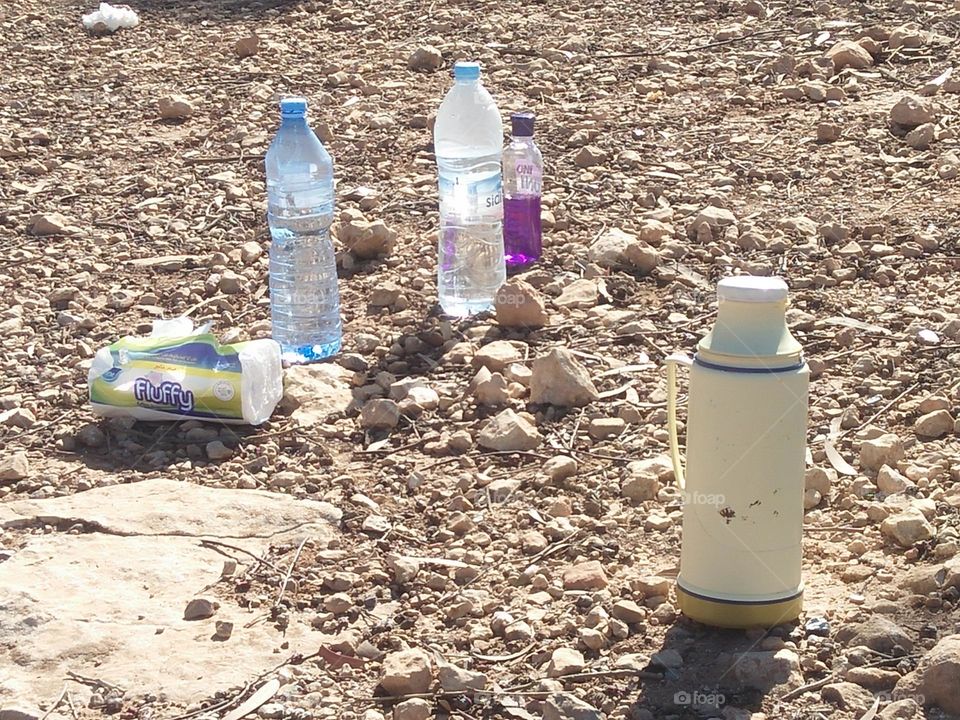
<point x="522" y="185"/>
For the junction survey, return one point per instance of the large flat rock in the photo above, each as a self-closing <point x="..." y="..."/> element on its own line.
<point x="169" y="507"/>
<point x="109" y="603"/>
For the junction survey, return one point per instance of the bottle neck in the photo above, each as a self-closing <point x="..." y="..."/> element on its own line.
<point x="293" y="120"/>
<point x="467" y="81"/>
<point x="525" y="140"/>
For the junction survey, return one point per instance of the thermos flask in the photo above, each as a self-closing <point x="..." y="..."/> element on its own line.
<point x="740" y="559"/>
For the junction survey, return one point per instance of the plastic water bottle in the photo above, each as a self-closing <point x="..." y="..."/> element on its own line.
<point x="522" y="185"/>
<point x="304" y="298"/>
<point x="468" y="140"/>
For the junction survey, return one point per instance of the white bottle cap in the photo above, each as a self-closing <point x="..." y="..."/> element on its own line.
<point x="752" y="289"/>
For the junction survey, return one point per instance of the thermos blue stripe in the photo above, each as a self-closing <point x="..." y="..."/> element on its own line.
<point x="751" y="371"/>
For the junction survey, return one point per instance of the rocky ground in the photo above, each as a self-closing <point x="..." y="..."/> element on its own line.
<point x="507" y="527"/>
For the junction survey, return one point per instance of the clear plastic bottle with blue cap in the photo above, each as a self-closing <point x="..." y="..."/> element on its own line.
<point x="304" y="297"/>
<point x="468" y="142"/>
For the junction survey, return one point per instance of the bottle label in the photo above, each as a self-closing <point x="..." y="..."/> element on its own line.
<point x="481" y="200"/>
<point x="529" y="179"/>
<point x="188" y="377"/>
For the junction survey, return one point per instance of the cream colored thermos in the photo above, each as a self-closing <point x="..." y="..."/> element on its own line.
<point x="740" y="558"/>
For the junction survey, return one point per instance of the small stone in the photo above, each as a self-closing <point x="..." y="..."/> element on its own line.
<point x="872" y="678"/>
<point x="565" y="661"/>
<point x="937" y="677"/>
<point x="907" y="528"/>
<point x="828" y="132"/>
<point x="564" y="706"/>
<point x="230" y="283"/>
<point x="413" y="709"/>
<point x="764" y="670"/>
<point x="367" y="240"/>
<point x="629" y="611"/>
<point x="175" y="107"/>
<point x="380" y="413"/>
<point x="604" y="428"/>
<point x="425" y="58"/>
<point x="559" y="379"/>
<point x="247" y="46"/>
<point x="711" y="220"/>
<point x="496" y="356"/>
<point x="560" y="468"/>
<point x="406" y="672"/>
<point x="891" y="482"/>
<point x="15" y="466"/>
<point x="934" y="424"/>
<point x="216" y="451"/>
<point x="911" y="111"/>
<point x="847" y="695"/>
<point x="533" y="542"/>
<point x="905" y="36"/>
<point x="250" y="252"/>
<point x="18" y="417"/>
<point x="610" y="248"/>
<point x="642" y="257"/>
<point x="886" y="449"/>
<point x="224" y="630"/>
<point x="642" y="481"/>
<point x="848" y="54"/>
<point x="200" y="608"/>
<point x="582" y="293"/>
<point x="920" y="137"/>
<point x="490" y="389"/>
<point x="877" y="633"/>
<point x="509" y="432"/>
<point x="590" y="156"/>
<point x="587" y="575"/>
<point x="51" y="224"/>
<point x="456" y="679"/>
<point x="519" y="304"/>
<point x="338" y="603"/>
<point x="272" y="711"/>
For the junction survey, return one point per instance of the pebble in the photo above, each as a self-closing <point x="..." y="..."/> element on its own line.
<point x="407" y="671"/>
<point x="907" y="528"/>
<point x="565" y="661"/>
<point x="921" y="137"/>
<point x="199" y="608"/>
<point x="559" y="379"/>
<point x="911" y="111"/>
<point x="877" y="633"/>
<point x="560" y="468"/>
<point x="456" y="679"/>
<point x="175" y="107"/>
<point x="934" y="424"/>
<point x="18" y="417"/>
<point x="587" y="575"/>
<point x="15" y="466"/>
<point x="216" y="450"/>
<point x="887" y="449"/>
<point x="891" y="482"/>
<point x="582" y="293"/>
<point x="848" y="696"/>
<point x="425" y="58"/>
<point x="247" y="46"/>
<point x="224" y="630"/>
<point x="590" y="156"/>
<point x="628" y="611"/>
<point x="250" y="252"/>
<point x="849" y="54"/>
<point x="519" y="304"/>
<point x="509" y="431"/>
<point x="367" y="240"/>
<point x="565" y="706"/>
<point x="936" y="677"/>
<point x="496" y="356"/>
<point x="379" y="414"/>
<point x="605" y="428"/>
<point x="413" y="709"/>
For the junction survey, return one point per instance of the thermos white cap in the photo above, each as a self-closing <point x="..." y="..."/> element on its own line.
<point x="752" y="289"/>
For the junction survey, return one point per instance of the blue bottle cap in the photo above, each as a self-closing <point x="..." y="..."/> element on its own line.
<point x="466" y="70"/>
<point x="293" y="107"/>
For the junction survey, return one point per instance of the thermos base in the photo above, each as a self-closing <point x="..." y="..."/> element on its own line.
<point x="739" y="614"/>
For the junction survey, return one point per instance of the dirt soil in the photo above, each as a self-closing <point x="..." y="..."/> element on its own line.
<point x="719" y="134"/>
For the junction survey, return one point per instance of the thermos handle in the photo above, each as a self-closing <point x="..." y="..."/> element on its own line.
<point x="672" y="362"/>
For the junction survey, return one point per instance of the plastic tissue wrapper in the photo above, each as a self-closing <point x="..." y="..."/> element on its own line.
<point x="110" y="18"/>
<point x="182" y="373"/>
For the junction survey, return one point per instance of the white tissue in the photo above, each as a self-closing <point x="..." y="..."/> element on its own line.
<point x="111" y="18"/>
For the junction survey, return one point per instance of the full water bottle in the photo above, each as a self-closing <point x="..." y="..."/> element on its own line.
<point x="741" y="557"/>
<point x="468" y="141"/>
<point x="522" y="185"/>
<point x="304" y="298"/>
